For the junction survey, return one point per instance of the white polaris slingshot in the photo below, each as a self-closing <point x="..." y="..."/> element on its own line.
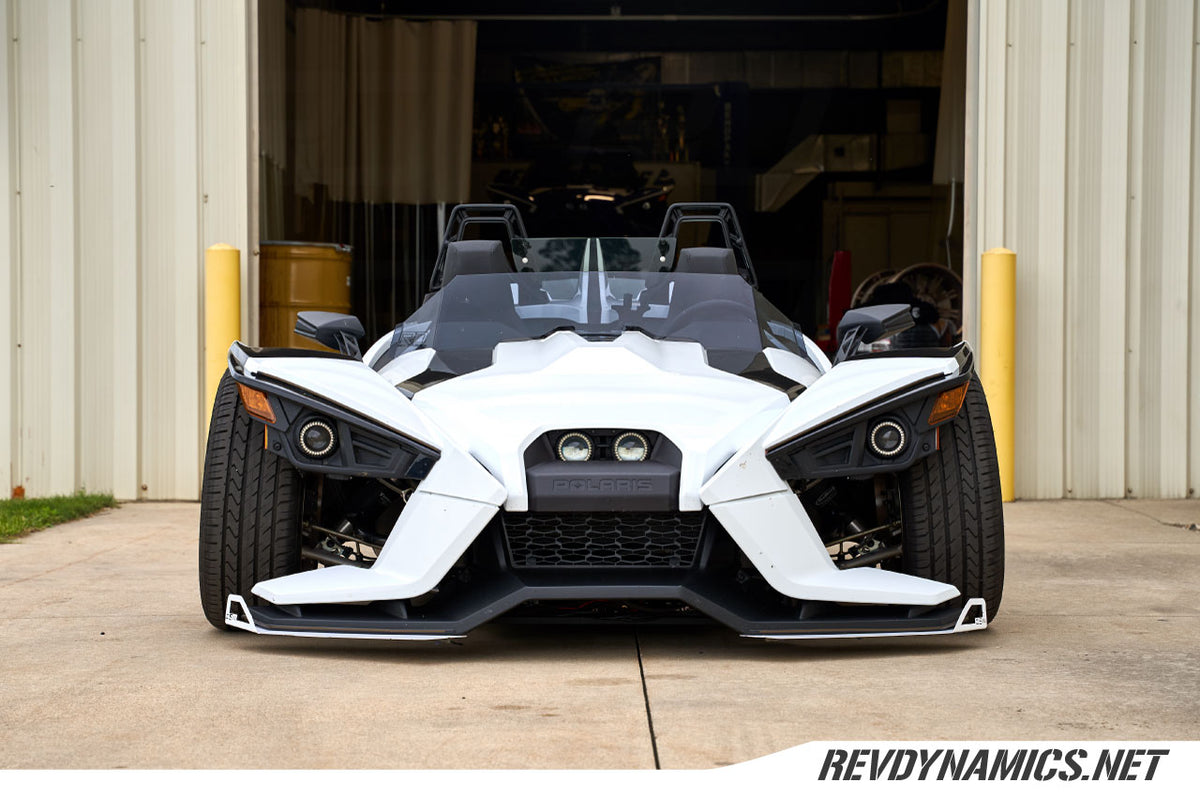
<point x="602" y="430"/>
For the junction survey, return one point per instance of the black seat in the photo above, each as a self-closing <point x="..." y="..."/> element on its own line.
<point x="706" y="260"/>
<point x="474" y="257"/>
<point x="472" y="318"/>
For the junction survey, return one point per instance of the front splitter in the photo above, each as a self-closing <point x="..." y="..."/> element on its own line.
<point x="370" y="622"/>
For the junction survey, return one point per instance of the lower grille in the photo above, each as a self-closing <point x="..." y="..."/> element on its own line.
<point x="602" y="540"/>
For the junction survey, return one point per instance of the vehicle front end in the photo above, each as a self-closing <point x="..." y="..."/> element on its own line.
<point x="584" y="445"/>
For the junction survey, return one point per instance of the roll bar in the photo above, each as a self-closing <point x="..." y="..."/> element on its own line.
<point x="721" y="213"/>
<point x="463" y="216"/>
<point x="679" y="214"/>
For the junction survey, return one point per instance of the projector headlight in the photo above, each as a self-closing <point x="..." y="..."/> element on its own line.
<point x="631" y="447"/>
<point x="317" y="438"/>
<point x="887" y="438"/>
<point x="574" y="447"/>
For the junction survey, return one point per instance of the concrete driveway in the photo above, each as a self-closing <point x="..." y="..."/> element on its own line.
<point x="108" y="663"/>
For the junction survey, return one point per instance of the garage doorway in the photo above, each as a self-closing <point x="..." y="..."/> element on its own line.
<point x="833" y="128"/>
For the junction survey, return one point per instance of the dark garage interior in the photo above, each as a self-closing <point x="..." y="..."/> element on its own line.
<point x="831" y="127"/>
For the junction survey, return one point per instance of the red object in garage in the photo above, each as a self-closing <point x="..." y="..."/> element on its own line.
<point x="839" y="293"/>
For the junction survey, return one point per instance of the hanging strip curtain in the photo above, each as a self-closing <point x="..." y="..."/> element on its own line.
<point x="272" y="116"/>
<point x="951" y="128"/>
<point x="272" y="79"/>
<point x="383" y="108"/>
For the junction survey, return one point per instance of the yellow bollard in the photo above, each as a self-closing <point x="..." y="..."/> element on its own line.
<point x="997" y="353"/>
<point x="222" y="316"/>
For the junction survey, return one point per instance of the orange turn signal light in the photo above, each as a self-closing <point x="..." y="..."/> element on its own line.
<point x="948" y="404"/>
<point x="256" y="404"/>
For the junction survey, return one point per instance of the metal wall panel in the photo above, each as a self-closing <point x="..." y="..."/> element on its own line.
<point x="8" y="257"/>
<point x="46" y="321"/>
<point x="993" y="106"/>
<point x="1097" y="178"/>
<point x="124" y="117"/>
<point x="224" y="124"/>
<point x="170" y="250"/>
<point x="107" y="224"/>
<point x="1034" y="226"/>
<point x="1194" y="362"/>
<point x="1094" y="184"/>
<point x="1157" y="284"/>
<point x="257" y="13"/>
<point x="983" y="189"/>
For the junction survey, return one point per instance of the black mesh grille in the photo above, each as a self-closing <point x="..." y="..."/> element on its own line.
<point x="602" y="540"/>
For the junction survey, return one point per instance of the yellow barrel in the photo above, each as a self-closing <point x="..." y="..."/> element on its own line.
<point x="296" y="276"/>
<point x="998" y="355"/>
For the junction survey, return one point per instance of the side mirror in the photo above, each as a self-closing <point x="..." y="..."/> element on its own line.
<point x="864" y="325"/>
<point x="334" y="330"/>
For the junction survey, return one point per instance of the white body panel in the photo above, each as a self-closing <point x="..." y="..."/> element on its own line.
<point x="768" y="523"/>
<point x="404" y="367"/>
<point x="431" y="533"/>
<point x="793" y="366"/>
<point x="776" y="534"/>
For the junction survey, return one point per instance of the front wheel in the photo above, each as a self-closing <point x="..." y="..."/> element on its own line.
<point x="952" y="518"/>
<point x="249" y="508"/>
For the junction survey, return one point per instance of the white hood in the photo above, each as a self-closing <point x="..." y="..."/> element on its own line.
<point x="633" y="382"/>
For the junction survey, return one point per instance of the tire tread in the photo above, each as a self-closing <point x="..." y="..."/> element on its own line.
<point x="952" y="510"/>
<point x="249" y="508"/>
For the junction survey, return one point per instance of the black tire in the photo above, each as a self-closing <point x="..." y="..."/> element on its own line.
<point x="952" y="513"/>
<point x="249" y="508"/>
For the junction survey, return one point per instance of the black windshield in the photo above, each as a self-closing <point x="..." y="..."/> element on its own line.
<point x="465" y="320"/>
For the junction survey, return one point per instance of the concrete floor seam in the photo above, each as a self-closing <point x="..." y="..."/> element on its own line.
<point x="646" y="697"/>
<point x="1122" y="504"/>
<point x="80" y="561"/>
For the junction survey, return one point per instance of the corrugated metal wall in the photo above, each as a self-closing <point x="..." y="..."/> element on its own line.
<point x="1087" y="164"/>
<point x="125" y="135"/>
<point x="125" y="132"/>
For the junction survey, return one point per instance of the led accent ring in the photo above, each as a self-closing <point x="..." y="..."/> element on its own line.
<point x="887" y="425"/>
<point x="328" y="450"/>
<point x="623" y="437"/>
<point x="567" y="439"/>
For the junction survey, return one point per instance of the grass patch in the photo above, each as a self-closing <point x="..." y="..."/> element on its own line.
<point x="20" y="516"/>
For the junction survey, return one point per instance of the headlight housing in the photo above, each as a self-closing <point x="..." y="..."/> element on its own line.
<point x="887" y="438"/>
<point x="574" y="447"/>
<point x="631" y="447"/>
<point x="317" y="438"/>
<point x="877" y="438"/>
<point x="316" y="435"/>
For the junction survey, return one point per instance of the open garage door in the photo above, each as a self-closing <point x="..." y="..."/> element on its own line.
<point x="835" y="129"/>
